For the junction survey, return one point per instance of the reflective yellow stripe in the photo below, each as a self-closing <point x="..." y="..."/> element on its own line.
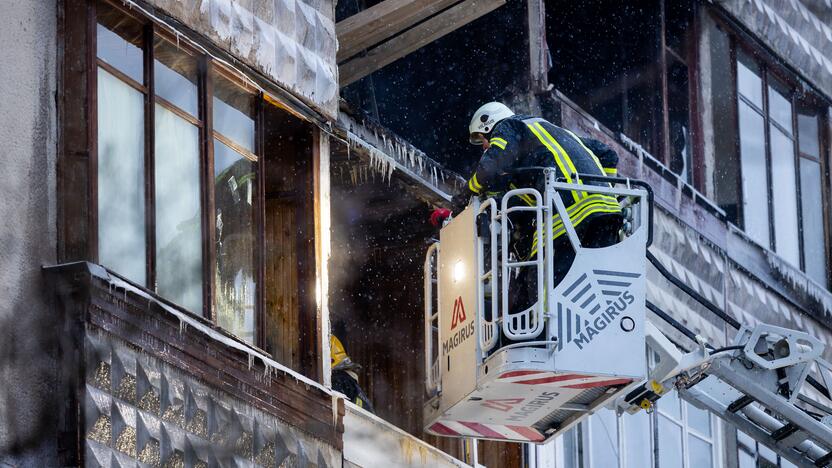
<point x="594" y="158"/>
<point x="594" y="203"/>
<point x="499" y="143"/>
<point x="558" y="161"/>
<point x="526" y="198"/>
<point x="474" y="185"/>
<point x="576" y="195"/>
<point x="610" y="171"/>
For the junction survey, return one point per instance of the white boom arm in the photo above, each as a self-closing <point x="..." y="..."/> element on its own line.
<point x="757" y="384"/>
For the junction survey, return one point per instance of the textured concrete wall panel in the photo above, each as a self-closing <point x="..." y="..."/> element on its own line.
<point x="27" y="232"/>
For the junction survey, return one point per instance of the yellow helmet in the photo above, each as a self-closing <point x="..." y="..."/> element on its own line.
<point x="337" y="354"/>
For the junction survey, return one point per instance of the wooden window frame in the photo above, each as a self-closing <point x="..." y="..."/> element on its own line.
<point x="205" y="67"/>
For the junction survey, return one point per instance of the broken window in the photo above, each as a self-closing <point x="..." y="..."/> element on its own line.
<point x="628" y="65"/>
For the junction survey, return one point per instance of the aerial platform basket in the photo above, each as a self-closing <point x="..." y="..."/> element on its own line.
<point x="527" y="375"/>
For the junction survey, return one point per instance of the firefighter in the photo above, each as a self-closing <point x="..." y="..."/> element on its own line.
<point x="512" y="142"/>
<point x="344" y="376"/>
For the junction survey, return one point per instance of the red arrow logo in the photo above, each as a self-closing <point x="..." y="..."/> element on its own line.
<point x="503" y="404"/>
<point x="459" y="313"/>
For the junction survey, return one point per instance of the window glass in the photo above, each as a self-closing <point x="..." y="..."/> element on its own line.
<point x="637" y="437"/>
<point x="175" y="76"/>
<point x="119" y="41"/>
<point x="233" y="112"/>
<point x="813" y="235"/>
<point x="807" y="124"/>
<point x="745" y="459"/>
<point x="766" y="456"/>
<point x="670" y="443"/>
<point x="699" y="420"/>
<point x="677" y="24"/>
<point x="786" y="464"/>
<point x="754" y="174"/>
<point x="700" y="453"/>
<point x="749" y="83"/>
<point x="178" y="211"/>
<point x="670" y="405"/>
<point x="234" y="177"/>
<point x="604" y="434"/>
<point x="779" y="106"/>
<point x="784" y="188"/>
<point x="121" y="195"/>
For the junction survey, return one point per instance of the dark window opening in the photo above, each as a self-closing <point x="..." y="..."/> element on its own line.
<point x="628" y="65"/>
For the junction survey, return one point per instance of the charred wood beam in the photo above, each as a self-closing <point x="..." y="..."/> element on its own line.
<point x="415" y="38"/>
<point x="381" y="22"/>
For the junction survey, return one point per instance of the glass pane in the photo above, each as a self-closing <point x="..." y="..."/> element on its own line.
<point x="233" y="112"/>
<point x="699" y="420"/>
<point x="604" y="435"/>
<point x="745" y="459"/>
<point x="812" y="202"/>
<point x="747" y="441"/>
<point x="234" y="177"/>
<point x="572" y="448"/>
<point x="784" y="184"/>
<point x="749" y="83"/>
<point x="754" y="174"/>
<point x="677" y="107"/>
<point x="779" y="106"/>
<point x="671" y="405"/>
<point x="786" y="464"/>
<point x="178" y="213"/>
<point x="700" y="453"/>
<point x="766" y="454"/>
<point x="121" y="226"/>
<point x="670" y="443"/>
<point x="807" y="124"/>
<point x="175" y="76"/>
<point x="119" y="41"/>
<point x="637" y="436"/>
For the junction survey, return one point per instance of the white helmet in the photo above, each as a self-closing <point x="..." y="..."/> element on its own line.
<point x="485" y="118"/>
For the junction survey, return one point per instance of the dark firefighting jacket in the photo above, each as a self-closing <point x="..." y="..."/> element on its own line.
<point x="523" y="141"/>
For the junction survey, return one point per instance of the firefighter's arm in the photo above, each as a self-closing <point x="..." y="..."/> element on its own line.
<point x="496" y="161"/>
<point x="606" y="155"/>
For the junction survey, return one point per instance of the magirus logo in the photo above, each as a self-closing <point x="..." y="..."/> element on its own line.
<point x="458" y="318"/>
<point x="600" y="301"/>
<point x="502" y="404"/>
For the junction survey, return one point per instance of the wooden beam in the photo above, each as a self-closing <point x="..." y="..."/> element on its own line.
<point x="416" y="38"/>
<point x="382" y="21"/>
<point x="538" y="53"/>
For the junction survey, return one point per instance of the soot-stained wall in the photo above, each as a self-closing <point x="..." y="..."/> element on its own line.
<point x="27" y="233"/>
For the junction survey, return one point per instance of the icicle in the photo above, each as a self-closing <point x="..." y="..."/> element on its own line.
<point x="250" y="361"/>
<point x="183" y="327"/>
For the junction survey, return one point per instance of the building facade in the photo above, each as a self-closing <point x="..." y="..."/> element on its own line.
<point x="199" y="192"/>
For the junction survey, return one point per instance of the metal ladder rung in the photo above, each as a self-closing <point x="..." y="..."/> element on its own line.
<point x="785" y="431"/>
<point x="521" y="264"/>
<point x="486" y="276"/>
<point x="740" y="403"/>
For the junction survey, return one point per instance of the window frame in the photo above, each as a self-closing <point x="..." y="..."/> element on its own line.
<point x="800" y="93"/>
<point x="204" y="121"/>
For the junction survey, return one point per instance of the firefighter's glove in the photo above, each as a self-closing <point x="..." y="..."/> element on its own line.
<point x="438" y="216"/>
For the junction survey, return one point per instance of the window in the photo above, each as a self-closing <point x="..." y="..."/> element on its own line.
<point x="751" y="454"/>
<point x="629" y="66"/>
<point x="152" y="159"/>
<point x="686" y="434"/>
<point x="781" y="166"/>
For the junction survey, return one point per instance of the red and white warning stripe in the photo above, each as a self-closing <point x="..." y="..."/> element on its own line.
<point x="491" y="431"/>
<point x="575" y="381"/>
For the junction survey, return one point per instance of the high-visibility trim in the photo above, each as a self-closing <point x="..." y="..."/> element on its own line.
<point x="575" y="194"/>
<point x="594" y="203"/>
<point x="474" y="185"/>
<point x="558" y="161"/>
<point x="611" y="171"/>
<point x="594" y="157"/>
<point x="499" y="142"/>
<point x="525" y="197"/>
